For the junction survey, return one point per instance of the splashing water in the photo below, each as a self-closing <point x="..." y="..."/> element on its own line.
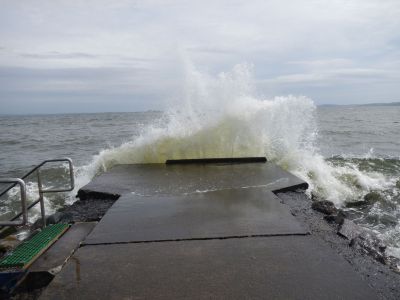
<point x="223" y="117"/>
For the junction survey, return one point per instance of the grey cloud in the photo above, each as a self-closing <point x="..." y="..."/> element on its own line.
<point x="211" y="50"/>
<point x="337" y="75"/>
<point x="348" y="78"/>
<point x="317" y="48"/>
<point x="58" y="55"/>
<point x="322" y="63"/>
<point x="105" y="80"/>
<point x="82" y="72"/>
<point x="81" y="55"/>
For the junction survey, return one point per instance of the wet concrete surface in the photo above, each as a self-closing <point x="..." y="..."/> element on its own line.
<point x="297" y="267"/>
<point x="212" y="231"/>
<point x="218" y="214"/>
<point x="163" y="179"/>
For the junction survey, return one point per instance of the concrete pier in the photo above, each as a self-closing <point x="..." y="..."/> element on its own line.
<point x="202" y="231"/>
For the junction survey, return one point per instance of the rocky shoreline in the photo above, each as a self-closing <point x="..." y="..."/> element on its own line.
<point x="364" y="251"/>
<point x="359" y="237"/>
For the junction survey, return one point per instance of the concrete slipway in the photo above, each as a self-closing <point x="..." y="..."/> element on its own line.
<point x="202" y="231"/>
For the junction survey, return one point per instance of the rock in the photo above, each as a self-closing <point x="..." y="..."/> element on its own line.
<point x="349" y="230"/>
<point x="341" y="216"/>
<point x="54" y="218"/>
<point x="6" y="231"/>
<point x="369" y="199"/>
<point x="86" y="210"/>
<point x="58" y="217"/>
<point x="356" y="204"/>
<point x="370" y="244"/>
<point x="330" y="218"/>
<point x="314" y="197"/>
<point x="8" y="243"/>
<point x="372" y="197"/>
<point x="66" y="218"/>
<point x="337" y="219"/>
<point x="394" y="263"/>
<point x="388" y="220"/>
<point x="324" y="206"/>
<point x="398" y="184"/>
<point x="37" y="224"/>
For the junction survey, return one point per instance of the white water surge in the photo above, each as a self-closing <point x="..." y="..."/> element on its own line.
<point x="222" y="116"/>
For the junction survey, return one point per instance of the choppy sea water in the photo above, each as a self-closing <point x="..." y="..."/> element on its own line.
<point x="344" y="153"/>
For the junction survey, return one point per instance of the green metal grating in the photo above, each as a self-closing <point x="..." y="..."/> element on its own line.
<point x="24" y="253"/>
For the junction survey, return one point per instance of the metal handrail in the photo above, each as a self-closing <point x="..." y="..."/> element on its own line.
<point x="22" y="186"/>
<point x="20" y="181"/>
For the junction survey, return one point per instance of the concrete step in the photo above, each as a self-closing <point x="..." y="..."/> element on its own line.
<point x="217" y="214"/>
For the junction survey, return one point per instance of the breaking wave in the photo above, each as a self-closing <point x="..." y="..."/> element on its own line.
<point x="223" y="116"/>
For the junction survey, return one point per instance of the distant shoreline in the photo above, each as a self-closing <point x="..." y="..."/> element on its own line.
<point x="160" y="111"/>
<point x="366" y="104"/>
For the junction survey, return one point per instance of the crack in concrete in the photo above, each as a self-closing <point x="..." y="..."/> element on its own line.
<point x="198" y="239"/>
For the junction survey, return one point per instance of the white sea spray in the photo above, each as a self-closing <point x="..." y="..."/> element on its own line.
<point x="222" y="116"/>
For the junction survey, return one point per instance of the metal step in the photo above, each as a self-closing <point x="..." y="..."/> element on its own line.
<point x="43" y="270"/>
<point x="27" y="252"/>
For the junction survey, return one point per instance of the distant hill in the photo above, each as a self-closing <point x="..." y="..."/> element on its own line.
<point x="382" y="104"/>
<point x="367" y="104"/>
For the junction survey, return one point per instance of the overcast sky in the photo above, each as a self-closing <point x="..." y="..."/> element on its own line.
<point x="93" y="56"/>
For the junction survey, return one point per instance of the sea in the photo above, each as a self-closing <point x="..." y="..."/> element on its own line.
<point x="343" y="152"/>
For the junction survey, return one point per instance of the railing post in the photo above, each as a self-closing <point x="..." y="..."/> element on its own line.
<point x="24" y="210"/>
<point x="23" y="201"/>
<point x="41" y="199"/>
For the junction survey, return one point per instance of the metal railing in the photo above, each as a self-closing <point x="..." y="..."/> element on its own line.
<point x="20" y="181"/>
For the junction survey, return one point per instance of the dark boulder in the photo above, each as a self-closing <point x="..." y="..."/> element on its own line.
<point x="57" y="217"/>
<point x="325" y="207"/>
<point x="337" y="218"/>
<point x="360" y="203"/>
<point x="369" y="199"/>
<point x="330" y="218"/>
<point x="373" y="197"/>
<point x="54" y="218"/>
<point x="8" y="243"/>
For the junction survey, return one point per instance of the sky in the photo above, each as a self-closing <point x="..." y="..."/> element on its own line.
<point x="99" y="55"/>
